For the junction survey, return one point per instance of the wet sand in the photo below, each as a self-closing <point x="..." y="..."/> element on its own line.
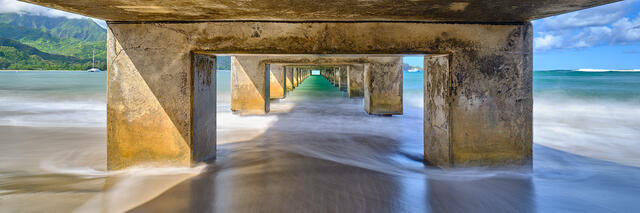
<point x="36" y="167"/>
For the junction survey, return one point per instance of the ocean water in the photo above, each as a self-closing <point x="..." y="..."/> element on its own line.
<point x="318" y="151"/>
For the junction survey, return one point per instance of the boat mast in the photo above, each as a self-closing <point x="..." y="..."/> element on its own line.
<point x="93" y="59"/>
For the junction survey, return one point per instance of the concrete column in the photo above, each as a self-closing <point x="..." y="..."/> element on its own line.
<point x="336" y="77"/>
<point x="160" y="101"/>
<point x="344" y="79"/>
<point x="295" y="77"/>
<point x="249" y="90"/>
<point x="276" y="81"/>
<point x="478" y="117"/>
<point x="289" y="77"/>
<point x="355" y="75"/>
<point x="383" y="86"/>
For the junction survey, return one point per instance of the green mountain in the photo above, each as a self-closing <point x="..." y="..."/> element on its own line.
<point x="80" y="29"/>
<point x="67" y="43"/>
<point x="15" y="55"/>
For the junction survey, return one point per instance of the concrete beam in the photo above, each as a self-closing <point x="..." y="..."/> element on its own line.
<point x="484" y="11"/>
<point x="383" y="86"/>
<point x="249" y="91"/>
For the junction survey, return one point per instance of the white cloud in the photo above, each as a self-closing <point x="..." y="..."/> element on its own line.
<point x="608" y="24"/>
<point x="627" y="31"/>
<point x="13" y="6"/>
<point x="596" y="16"/>
<point x="547" y="42"/>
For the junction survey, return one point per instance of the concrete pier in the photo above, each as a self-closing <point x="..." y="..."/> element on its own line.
<point x="295" y="77"/>
<point x="276" y="81"/>
<point x="249" y="86"/>
<point x="158" y="112"/>
<point x="490" y="81"/>
<point x="344" y="80"/>
<point x="355" y="85"/>
<point x="289" y="78"/>
<point x="383" y="86"/>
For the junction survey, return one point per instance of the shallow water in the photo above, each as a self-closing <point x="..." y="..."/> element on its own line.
<point x="317" y="151"/>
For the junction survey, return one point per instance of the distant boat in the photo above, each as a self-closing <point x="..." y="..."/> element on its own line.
<point x="93" y="63"/>
<point x="414" y="70"/>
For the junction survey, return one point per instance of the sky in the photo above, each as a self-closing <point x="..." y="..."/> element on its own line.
<point x="604" y="37"/>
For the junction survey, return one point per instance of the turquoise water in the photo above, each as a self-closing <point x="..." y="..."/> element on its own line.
<point x="52" y="98"/>
<point x="623" y="87"/>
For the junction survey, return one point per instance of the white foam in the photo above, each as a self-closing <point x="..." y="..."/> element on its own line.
<point x="606" y="70"/>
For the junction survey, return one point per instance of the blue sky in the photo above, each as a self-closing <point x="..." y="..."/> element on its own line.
<point x="604" y="37"/>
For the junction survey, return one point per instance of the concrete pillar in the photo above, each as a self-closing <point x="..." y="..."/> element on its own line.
<point x="344" y="79"/>
<point x="355" y="75"/>
<point x="478" y="117"/>
<point x="383" y="86"/>
<point x="336" y="77"/>
<point x="295" y="77"/>
<point x="276" y="81"/>
<point x="249" y="90"/>
<point x="160" y="102"/>
<point x="289" y="77"/>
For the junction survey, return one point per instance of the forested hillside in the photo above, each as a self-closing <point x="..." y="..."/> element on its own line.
<point x="41" y="42"/>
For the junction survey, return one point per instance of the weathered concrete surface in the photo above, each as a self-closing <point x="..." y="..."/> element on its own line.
<point x="203" y="145"/>
<point x="249" y="91"/>
<point x="437" y="103"/>
<point x="481" y="105"/>
<point x="344" y="79"/>
<point x="383" y="86"/>
<point x="336" y="77"/>
<point x="295" y="77"/>
<point x="355" y="80"/>
<point x="289" y="77"/>
<point x="276" y="81"/>
<point x="158" y="113"/>
<point x="491" y="76"/>
<point x="337" y="10"/>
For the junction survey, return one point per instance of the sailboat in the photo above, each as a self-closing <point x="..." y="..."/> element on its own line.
<point x="93" y="63"/>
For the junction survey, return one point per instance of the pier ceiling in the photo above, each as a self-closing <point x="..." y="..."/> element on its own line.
<point x="330" y="10"/>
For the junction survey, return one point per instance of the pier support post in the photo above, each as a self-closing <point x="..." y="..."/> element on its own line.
<point x="289" y="78"/>
<point x="383" y="86"/>
<point x="344" y="79"/>
<point x="249" y="91"/>
<point x="481" y="116"/>
<point x="295" y="77"/>
<point x="336" y="76"/>
<point x="159" y="101"/>
<point x="276" y="81"/>
<point x="355" y="73"/>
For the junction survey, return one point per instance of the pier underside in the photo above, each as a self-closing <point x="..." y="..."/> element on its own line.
<point x="478" y="103"/>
